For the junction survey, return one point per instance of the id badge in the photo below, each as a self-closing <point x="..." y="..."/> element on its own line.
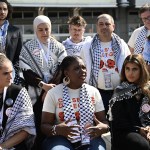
<point x="107" y="78"/>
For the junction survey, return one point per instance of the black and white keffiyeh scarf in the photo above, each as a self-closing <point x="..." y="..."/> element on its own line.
<point x="138" y="47"/>
<point x="126" y="91"/>
<point x="20" y="118"/>
<point x="95" y="51"/>
<point x="86" y="109"/>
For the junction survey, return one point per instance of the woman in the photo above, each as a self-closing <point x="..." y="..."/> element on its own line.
<point x="73" y="114"/>
<point x="16" y="113"/>
<point x="39" y="59"/>
<point x="130" y="107"/>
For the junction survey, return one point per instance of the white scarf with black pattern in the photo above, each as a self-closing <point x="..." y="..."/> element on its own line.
<point x="20" y="118"/>
<point x="95" y="51"/>
<point x="126" y="91"/>
<point x="86" y="109"/>
<point x="138" y="47"/>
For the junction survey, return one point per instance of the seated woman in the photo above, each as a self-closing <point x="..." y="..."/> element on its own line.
<point x="73" y="114"/>
<point x="17" y="128"/>
<point x="130" y="107"/>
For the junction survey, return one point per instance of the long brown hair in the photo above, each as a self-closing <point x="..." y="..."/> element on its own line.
<point x="144" y="80"/>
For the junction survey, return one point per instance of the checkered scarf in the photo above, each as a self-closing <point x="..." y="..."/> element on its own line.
<point x="95" y="51"/>
<point x="20" y="118"/>
<point x="138" y="48"/>
<point x="86" y="109"/>
<point x="126" y="91"/>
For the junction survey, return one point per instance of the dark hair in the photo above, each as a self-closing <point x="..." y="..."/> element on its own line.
<point x="106" y="16"/>
<point x="9" y="8"/>
<point x="67" y="61"/>
<point x="77" y="21"/>
<point x="139" y="60"/>
<point x="144" y="8"/>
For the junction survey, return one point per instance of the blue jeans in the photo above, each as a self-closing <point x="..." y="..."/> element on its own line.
<point x="62" y="143"/>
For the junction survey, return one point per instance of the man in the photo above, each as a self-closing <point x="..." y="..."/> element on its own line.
<point x="75" y="42"/>
<point x="105" y="57"/>
<point x="139" y="36"/>
<point x="10" y="37"/>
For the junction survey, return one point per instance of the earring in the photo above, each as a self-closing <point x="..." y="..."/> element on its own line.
<point x="66" y="80"/>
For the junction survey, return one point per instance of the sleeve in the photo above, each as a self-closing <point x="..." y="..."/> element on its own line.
<point x="49" y="102"/>
<point x="86" y="56"/>
<point x="123" y="54"/>
<point x="133" y="38"/>
<point x="18" y="49"/>
<point x="98" y="101"/>
<point x="121" y="120"/>
<point x="31" y="78"/>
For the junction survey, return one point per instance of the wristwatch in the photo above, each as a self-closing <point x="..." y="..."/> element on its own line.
<point x="40" y="85"/>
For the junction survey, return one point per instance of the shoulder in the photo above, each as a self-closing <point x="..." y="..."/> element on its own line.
<point x="91" y="88"/>
<point x="56" y="43"/>
<point x="137" y="31"/>
<point x="31" y="42"/>
<point x="13" y="90"/>
<point x="66" y="41"/>
<point x="13" y="28"/>
<point x="14" y="87"/>
<point x="55" y="89"/>
<point x="88" y="38"/>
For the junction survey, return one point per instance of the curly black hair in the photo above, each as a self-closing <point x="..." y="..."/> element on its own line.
<point x="9" y="8"/>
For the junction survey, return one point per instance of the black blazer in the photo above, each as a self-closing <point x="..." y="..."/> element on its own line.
<point x="13" y="43"/>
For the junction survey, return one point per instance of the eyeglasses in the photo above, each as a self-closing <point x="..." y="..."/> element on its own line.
<point x="146" y="19"/>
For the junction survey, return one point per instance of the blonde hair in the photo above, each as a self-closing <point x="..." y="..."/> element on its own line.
<point x="3" y="59"/>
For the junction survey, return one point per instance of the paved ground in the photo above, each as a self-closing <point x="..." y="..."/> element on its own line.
<point x="107" y="139"/>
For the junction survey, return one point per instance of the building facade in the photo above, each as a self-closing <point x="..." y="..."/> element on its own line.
<point x="124" y="12"/>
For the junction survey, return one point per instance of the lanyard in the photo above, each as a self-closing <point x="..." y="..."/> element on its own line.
<point x="42" y="50"/>
<point x="1" y="112"/>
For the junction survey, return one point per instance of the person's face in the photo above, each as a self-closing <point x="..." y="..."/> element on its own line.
<point x="145" y="16"/>
<point x="76" y="73"/>
<point x="132" y="72"/>
<point x="105" y="27"/>
<point x="43" y="32"/>
<point x="3" y="10"/>
<point x="6" y="75"/>
<point x="76" y="33"/>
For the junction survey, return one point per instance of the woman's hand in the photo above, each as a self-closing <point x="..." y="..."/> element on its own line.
<point x="68" y="129"/>
<point x="145" y="132"/>
<point x="98" y="130"/>
<point x="46" y="87"/>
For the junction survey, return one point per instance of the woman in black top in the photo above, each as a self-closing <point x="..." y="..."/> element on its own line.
<point x="129" y="109"/>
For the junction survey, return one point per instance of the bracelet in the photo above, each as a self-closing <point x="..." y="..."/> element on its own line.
<point x="53" y="130"/>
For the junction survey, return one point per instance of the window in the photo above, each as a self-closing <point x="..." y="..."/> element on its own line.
<point x="63" y="28"/>
<point x="28" y="29"/>
<point x="28" y="14"/>
<point x="52" y="14"/>
<point x="63" y="14"/>
<point x="17" y="15"/>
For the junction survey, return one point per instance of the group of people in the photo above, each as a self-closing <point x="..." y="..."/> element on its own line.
<point x="71" y="93"/>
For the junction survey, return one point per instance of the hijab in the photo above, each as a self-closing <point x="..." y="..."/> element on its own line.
<point x="40" y="19"/>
